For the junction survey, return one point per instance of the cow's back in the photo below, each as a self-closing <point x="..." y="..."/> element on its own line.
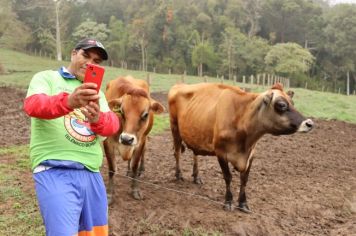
<point x="194" y="107"/>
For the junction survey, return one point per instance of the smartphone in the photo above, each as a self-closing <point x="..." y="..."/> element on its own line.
<point x="94" y="74"/>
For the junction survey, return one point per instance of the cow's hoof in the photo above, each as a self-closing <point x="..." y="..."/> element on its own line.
<point x="136" y="195"/>
<point x="197" y="180"/>
<point x="228" y="207"/>
<point x="179" y="177"/>
<point x="244" y="208"/>
<point x="141" y="174"/>
<point x="129" y="173"/>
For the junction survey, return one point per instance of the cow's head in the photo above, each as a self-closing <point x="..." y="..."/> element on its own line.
<point x="278" y="114"/>
<point x="135" y="111"/>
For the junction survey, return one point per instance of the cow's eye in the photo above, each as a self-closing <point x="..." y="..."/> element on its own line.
<point x="281" y="106"/>
<point x="144" y="116"/>
<point x="121" y="112"/>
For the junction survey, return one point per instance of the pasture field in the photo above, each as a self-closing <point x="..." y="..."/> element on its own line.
<point x="22" y="67"/>
<point x="299" y="184"/>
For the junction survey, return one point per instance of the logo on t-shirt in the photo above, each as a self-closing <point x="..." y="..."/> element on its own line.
<point x="78" y="126"/>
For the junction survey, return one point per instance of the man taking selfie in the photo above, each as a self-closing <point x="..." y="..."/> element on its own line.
<point x="69" y="119"/>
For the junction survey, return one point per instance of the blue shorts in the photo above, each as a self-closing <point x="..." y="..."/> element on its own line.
<point x="72" y="202"/>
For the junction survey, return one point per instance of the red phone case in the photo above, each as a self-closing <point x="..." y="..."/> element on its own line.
<point x="94" y="74"/>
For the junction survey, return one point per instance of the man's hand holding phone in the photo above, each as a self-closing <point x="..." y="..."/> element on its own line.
<point x="82" y="95"/>
<point x="86" y="96"/>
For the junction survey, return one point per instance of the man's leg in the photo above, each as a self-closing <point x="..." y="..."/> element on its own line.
<point x="59" y="200"/>
<point x="94" y="216"/>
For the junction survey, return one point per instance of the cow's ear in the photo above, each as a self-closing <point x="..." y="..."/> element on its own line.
<point x="115" y="104"/>
<point x="157" y="107"/>
<point x="290" y="93"/>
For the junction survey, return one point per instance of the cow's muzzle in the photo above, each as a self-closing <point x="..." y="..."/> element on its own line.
<point x="306" y="126"/>
<point x="127" y="139"/>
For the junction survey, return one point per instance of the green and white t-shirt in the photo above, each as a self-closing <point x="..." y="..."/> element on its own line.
<point x="68" y="137"/>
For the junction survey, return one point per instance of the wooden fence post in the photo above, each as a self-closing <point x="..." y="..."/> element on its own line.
<point x="205" y="78"/>
<point x="148" y="78"/>
<point x="222" y="79"/>
<point x="234" y="79"/>
<point x="268" y="80"/>
<point x="251" y="79"/>
<point x="243" y="79"/>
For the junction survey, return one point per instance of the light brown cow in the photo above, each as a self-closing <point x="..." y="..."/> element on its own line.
<point x="130" y="99"/>
<point x="224" y="121"/>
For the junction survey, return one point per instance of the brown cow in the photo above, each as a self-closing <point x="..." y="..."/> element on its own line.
<point x="130" y="99"/>
<point x="224" y="121"/>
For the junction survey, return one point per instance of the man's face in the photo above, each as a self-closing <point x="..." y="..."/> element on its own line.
<point x="80" y="58"/>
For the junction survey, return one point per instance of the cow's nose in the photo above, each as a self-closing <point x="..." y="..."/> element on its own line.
<point x="309" y="123"/>
<point x="306" y="126"/>
<point x="127" y="139"/>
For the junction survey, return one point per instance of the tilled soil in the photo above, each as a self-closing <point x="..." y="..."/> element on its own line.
<point x="298" y="185"/>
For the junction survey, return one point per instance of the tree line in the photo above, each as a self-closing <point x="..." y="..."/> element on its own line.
<point x="308" y="41"/>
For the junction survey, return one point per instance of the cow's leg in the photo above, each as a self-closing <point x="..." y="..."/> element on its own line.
<point x="141" y="168"/>
<point x="227" y="177"/>
<point x="197" y="179"/>
<point x="177" y="142"/>
<point x="136" y="157"/>
<point x="242" y="195"/>
<point x="109" y="148"/>
<point x="128" y="173"/>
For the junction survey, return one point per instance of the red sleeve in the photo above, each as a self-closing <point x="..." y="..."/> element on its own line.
<point x="107" y="125"/>
<point x="47" y="107"/>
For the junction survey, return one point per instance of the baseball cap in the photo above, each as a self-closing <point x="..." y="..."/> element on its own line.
<point x="92" y="43"/>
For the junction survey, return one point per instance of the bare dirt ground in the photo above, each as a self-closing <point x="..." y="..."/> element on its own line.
<point x="299" y="184"/>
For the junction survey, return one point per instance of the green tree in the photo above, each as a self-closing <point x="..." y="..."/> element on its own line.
<point x="90" y="29"/>
<point x="288" y="58"/>
<point x="340" y="46"/>
<point x="118" y="40"/>
<point x="203" y="54"/>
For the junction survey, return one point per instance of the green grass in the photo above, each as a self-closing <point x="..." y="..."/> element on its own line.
<point x="22" y="67"/>
<point x="161" y="123"/>
<point x="19" y="213"/>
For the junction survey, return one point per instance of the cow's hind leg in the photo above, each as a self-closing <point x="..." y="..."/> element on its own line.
<point x="227" y="177"/>
<point x="197" y="179"/>
<point x="111" y="161"/>
<point x="242" y="195"/>
<point x="178" y="147"/>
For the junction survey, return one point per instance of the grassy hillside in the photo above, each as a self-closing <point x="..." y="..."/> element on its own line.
<point x="22" y="67"/>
